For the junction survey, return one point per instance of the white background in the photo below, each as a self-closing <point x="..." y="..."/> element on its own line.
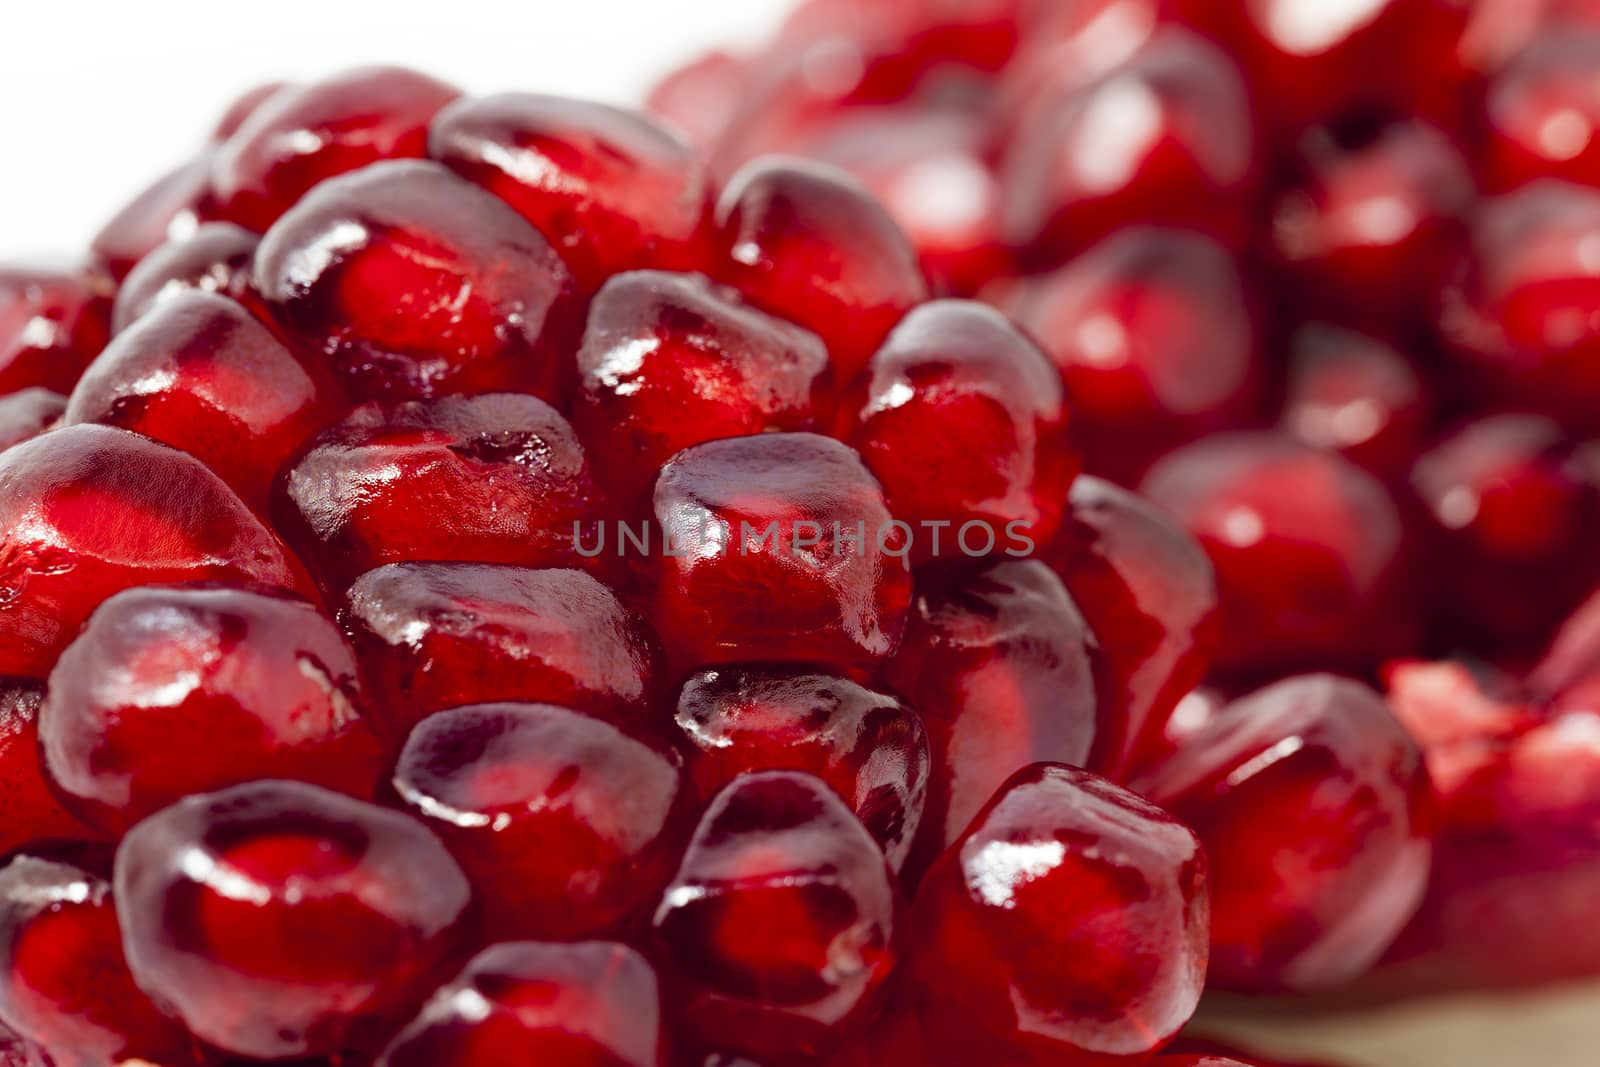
<point x="98" y="98"/>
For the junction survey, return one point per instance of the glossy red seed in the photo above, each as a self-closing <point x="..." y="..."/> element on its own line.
<point x="1314" y="807"/>
<point x="800" y="522"/>
<point x="279" y="919"/>
<point x="673" y="360"/>
<point x="34" y="815"/>
<point x="781" y="923"/>
<point x="496" y="478"/>
<point x="245" y="105"/>
<point x="201" y="374"/>
<point x="411" y="281"/>
<point x="1067" y="925"/>
<point x="1513" y="499"/>
<point x="168" y="210"/>
<point x="591" y="1004"/>
<point x="173" y="690"/>
<point x="216" y="258"/>
<point x="868" y="746"/>
<point x="52" y="323"/>
<point x="1375" y="225"/>
<point x="701" y="98"/>
<point x="64" y="983"/>
<point x="964" y="421"/>
<point x="1520" y="313"/>
<point x="565" y="824"/>
<point x="1540" y="110"/>
<point x="87" y="511"/>
<point x="304" y="134"/>
<point x="27" y="413"/>
<point x="614" y="190"/>
<point x="1155" y="335"/>
<point x="1149" y="595"/>
<point x="809" y="244"/>
<point x="1001" y="666"/>
<point x="1310" y="551"/>
<point x="1357" y="395"/>
<point x="438" y="635"/>
<point x="1167" y="137"/>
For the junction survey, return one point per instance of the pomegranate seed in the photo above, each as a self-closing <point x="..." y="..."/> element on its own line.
<point x="809" y="244"/>
<point x="216" y="258"/>
<point x="65" y="984"/>
<point x="1313" y="804"/>
<point x="617" y="190"/>
<point x="279" y="919"/>
<point x="438" y="635"/>
<point x="1155" y="336"/>
<point x="34" y="815"/>
<point x="495" y="478"/>
<point x="172" y="690"/>
<point x="201" y="374"/>
<point x="413" y="282"/>
<point x="701" y="98"/>
<point x="1021" y="931"/>
<point x="1309" y="550"/>
<point x="1001" y="665"/>
<point x="800" y="523"/>
<point x="592" y="1003"/>
<point x="247" y="104"/>
<point x="1167" y="137"/>
<point x="87" y="511"/>
<point x="673" y="360"/>
<point x="1357" y="395"/>
<point x="781" y="921"/>
<point x="52" y="323"/>
<point x="1540" y="111"/>
<point x="868" y="746"/>
<point x="348" y="121"/>
<point x="1149" y="595"/>
<point x="963" y="420"/>
<point x="27" y="413"/>
<point x="564" y="823"/>
<point x="168" y="210"/>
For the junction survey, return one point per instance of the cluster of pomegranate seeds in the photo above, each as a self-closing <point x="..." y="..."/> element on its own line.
<point x="984" y="520"/>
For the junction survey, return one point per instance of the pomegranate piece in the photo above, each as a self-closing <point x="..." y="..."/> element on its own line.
<point x="172" y="690"/>
<point x="1311" y="556"/>
<point x="201" y="374"/>
<point x="673" y="360"/>
<point x="52" y="323"/>
<point x="1315" y="810"/>
<point x="868" y="746"/>
<point x="279" y="919"/>
<point x="964" y="421"/>
<point x="1024" y="932"/>
<point x="701" y="98"/>
<point x="779" y="518"/>
<point x="1167" y="137"/>
<point x="591" y="1004"/>
<point x="34" y="815"/>
<point x="1001" y="666"/>
<point x="1358" y="396"/>
<point x="247" y="104"/>
<point x="1520" y="312"/>
<point x="432" y="636"/>
<point x="1148" y="593"/>
<point x="564" y="824"/>
<point x="1541" y="109"/>
<point x="64" y="983"/>
<point x="301" y="135"/>
<point x="1376" y="223"/>
<point x="169" y="210"/>
<point x="781" y="924"/>
<point x="216" y="258"/>
<point x="496" y="478"/>
<point x="615" y="189"/>
<point x="808" y="243"/>
<point x="1500" y="29"/>
<point x="87" y="511"/>
<point x="1513" y="501"/>
<point x="1155" y="335"/>
<point x="411" y="282"/>
<point x="27" y="413"/>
